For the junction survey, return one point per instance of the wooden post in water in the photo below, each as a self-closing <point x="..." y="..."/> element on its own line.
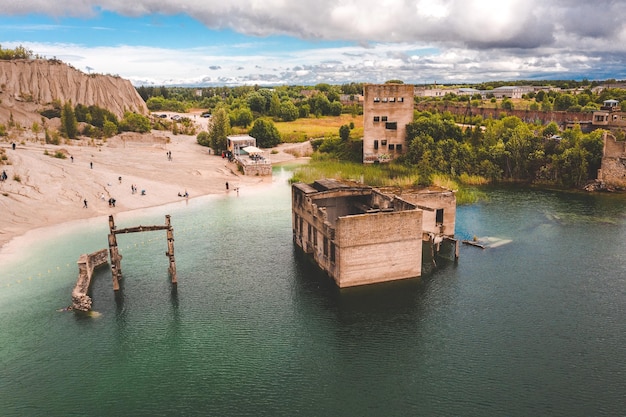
<point x="170" y="249"/>
<point x="116" y="258"/>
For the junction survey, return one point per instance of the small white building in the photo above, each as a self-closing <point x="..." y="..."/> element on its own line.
<point x="250" y="159"/>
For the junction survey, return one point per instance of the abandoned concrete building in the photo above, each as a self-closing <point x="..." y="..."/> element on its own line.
<point x="361" y="235"/>
<point x="387" y="109"/>
<point x="612" y="173"/>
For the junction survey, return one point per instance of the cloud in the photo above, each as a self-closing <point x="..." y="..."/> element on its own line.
<point x="501" y="23"/>
<point x="414" y="40"/>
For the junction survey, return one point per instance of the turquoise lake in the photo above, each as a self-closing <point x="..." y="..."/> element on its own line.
<point x="533" y="327"/>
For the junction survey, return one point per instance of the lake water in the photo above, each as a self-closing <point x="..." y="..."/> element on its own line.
<point x="532" y="327"/>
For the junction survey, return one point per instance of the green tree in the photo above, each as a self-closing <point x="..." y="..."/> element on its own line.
<point x="335" y="108"/>
<point x="220" y="129"/>
<point x="265" y="133"/>
<point x="242" y="117"/>
<point x="551" y="129"/>
<point x="257" y="102"/>
<point x="320" y="105"/>
<point x="288" y="111"/>
<point x="572" y="166"/>
<point x="507" y="104"/>
<point x="135" y="122"/>
<point x="69" y="125"/>
<point x="275" y="105"/>
<point x="564" y="101"/>
<point x="344" y="133"/>
<point x="109" y="129"/>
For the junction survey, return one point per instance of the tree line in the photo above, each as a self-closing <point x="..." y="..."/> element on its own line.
<point x="505" y="149"/>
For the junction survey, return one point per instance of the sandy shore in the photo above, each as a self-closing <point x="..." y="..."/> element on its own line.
<point x="52" y="190"/>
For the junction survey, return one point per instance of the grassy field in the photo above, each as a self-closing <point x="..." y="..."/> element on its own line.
<point x="301" y="130"/>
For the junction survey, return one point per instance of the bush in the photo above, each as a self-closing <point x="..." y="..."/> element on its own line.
<point x="204" y="138"/>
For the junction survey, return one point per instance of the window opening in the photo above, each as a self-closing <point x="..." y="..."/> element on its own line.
<point x="439" y="216"/>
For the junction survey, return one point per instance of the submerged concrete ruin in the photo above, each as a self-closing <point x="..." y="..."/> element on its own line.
<point x="361" y="235"/>
<point x="87" y="263"/>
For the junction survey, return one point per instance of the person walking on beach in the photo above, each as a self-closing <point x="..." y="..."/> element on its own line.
<point x="85" y="203"/>
<point x="91" y="165"/>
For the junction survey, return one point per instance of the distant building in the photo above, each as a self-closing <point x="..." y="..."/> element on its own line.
<point x="430" y="92"/>
<point x="511" y="91"/>
<point x="348" y="99"/>
<point x="251" y="160"/>
<point x="360" y="235"/>
<point x="387" y="109"/>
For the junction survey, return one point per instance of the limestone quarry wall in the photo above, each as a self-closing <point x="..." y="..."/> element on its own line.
<point x="43" y="81"/>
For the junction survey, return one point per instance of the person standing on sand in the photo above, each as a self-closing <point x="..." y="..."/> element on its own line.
<point x="85" y="203"/>
<point x="91" y="165"/>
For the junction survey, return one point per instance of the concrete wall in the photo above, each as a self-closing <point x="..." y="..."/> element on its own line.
<point x="257" y="169"/>
<point x="439" y="199"/>
<point x="613" y="169"/>
<point x="378" y="247"/>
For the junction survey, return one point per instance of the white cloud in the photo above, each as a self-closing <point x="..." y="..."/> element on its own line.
<point x="414" y="40"/>
<point x="458" y="21"/>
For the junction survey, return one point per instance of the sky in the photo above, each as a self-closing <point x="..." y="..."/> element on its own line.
<point x="307" y="42"/>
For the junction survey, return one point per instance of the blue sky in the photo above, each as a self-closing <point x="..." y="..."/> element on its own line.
<point x="273" y="42"/>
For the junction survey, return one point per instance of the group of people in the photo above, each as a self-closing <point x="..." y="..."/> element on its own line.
<point x="169" y="155"/>
<point x="185" y="194"/>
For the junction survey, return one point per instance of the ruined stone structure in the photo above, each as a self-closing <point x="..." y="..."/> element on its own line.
<point x="612" y="173"/>
<point x="387" y="109"/>
<point x="360" y="235"/>
<point x="86" y="266"/>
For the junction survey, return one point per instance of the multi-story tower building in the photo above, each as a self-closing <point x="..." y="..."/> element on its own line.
<point x="387" y="109"/>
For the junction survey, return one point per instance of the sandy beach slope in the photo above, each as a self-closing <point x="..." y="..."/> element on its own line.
<point x="42" y="190"/>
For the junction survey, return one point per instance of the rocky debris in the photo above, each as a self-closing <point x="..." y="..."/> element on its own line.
<point x="598" y="185"/>
<point x="81" y="302"/>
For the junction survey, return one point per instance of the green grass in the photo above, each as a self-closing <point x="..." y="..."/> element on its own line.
<point x="380" y="175"/>
<point x="373" y="175"/>
<point x="301" y="130"/>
